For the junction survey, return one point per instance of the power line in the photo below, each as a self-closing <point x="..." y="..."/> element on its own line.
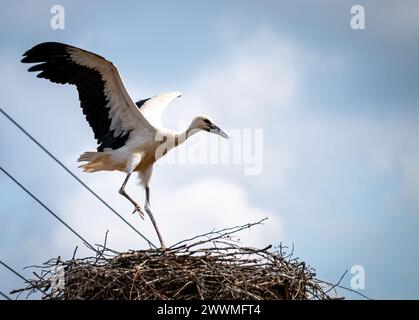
<point x="74" y="176"/>
<point x="13" y="271"/>
<point x="48" y="209"/>
<point x="17" y="274"/>
<point x="4" y="296"/>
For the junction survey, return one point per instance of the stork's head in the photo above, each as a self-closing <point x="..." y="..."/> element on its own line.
<point x="206" y="124"/>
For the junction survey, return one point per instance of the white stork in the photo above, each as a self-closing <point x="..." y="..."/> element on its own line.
<point x="130" y="135"/>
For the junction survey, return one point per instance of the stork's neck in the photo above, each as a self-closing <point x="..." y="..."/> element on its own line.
<point x="171" y="139"/>
<point x="191" y="131"/>
<point x="181" y="137"/>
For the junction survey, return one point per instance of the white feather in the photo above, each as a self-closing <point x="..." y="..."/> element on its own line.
<point x="154" y="107"/>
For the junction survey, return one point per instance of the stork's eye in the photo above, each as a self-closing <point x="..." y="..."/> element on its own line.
<point x="207" y="121"/>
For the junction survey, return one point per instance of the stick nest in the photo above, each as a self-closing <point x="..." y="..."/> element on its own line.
<point x="209" y="266"/>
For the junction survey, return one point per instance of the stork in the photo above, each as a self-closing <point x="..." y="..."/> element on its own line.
<point x="130" y="136"/>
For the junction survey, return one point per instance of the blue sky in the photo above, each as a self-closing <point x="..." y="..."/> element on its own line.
<point x="338" y="109"/>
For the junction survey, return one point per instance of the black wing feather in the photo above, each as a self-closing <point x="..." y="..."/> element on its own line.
<point x="140" y="103"/>
<point x="56" y="65"/>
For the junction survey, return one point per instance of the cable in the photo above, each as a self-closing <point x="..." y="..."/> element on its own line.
<point x="14" y="271"/>
<point x="48" y="209"/>
<point x="4" y="296"/>
<point x="74" y="176"/>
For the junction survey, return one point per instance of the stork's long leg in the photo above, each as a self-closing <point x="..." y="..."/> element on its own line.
<point x="147" y="209"/>
<point x="136" y="205"/>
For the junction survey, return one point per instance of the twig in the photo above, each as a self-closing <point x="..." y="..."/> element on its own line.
<point x="209" y="266"/>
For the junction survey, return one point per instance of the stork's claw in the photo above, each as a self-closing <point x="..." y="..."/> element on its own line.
<point x="139" y="210"/>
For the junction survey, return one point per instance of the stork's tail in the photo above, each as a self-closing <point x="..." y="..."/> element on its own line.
<point x="96" y="161"/>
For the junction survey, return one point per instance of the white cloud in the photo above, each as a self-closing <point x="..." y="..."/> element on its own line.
<point x="254" y="77"/>
<point x="193" y="209"/>
<point x="216" y="203"/>
<point x="92" y="219"/>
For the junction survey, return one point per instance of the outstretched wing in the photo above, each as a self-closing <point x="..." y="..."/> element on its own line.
<point x="153" y="108"/>
<point x="103" y="98"/>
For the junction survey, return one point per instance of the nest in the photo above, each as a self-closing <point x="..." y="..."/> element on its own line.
<point x="209" y="266"/>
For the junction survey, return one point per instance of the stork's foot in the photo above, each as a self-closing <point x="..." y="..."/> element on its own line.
<point x="138" y="209"/>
